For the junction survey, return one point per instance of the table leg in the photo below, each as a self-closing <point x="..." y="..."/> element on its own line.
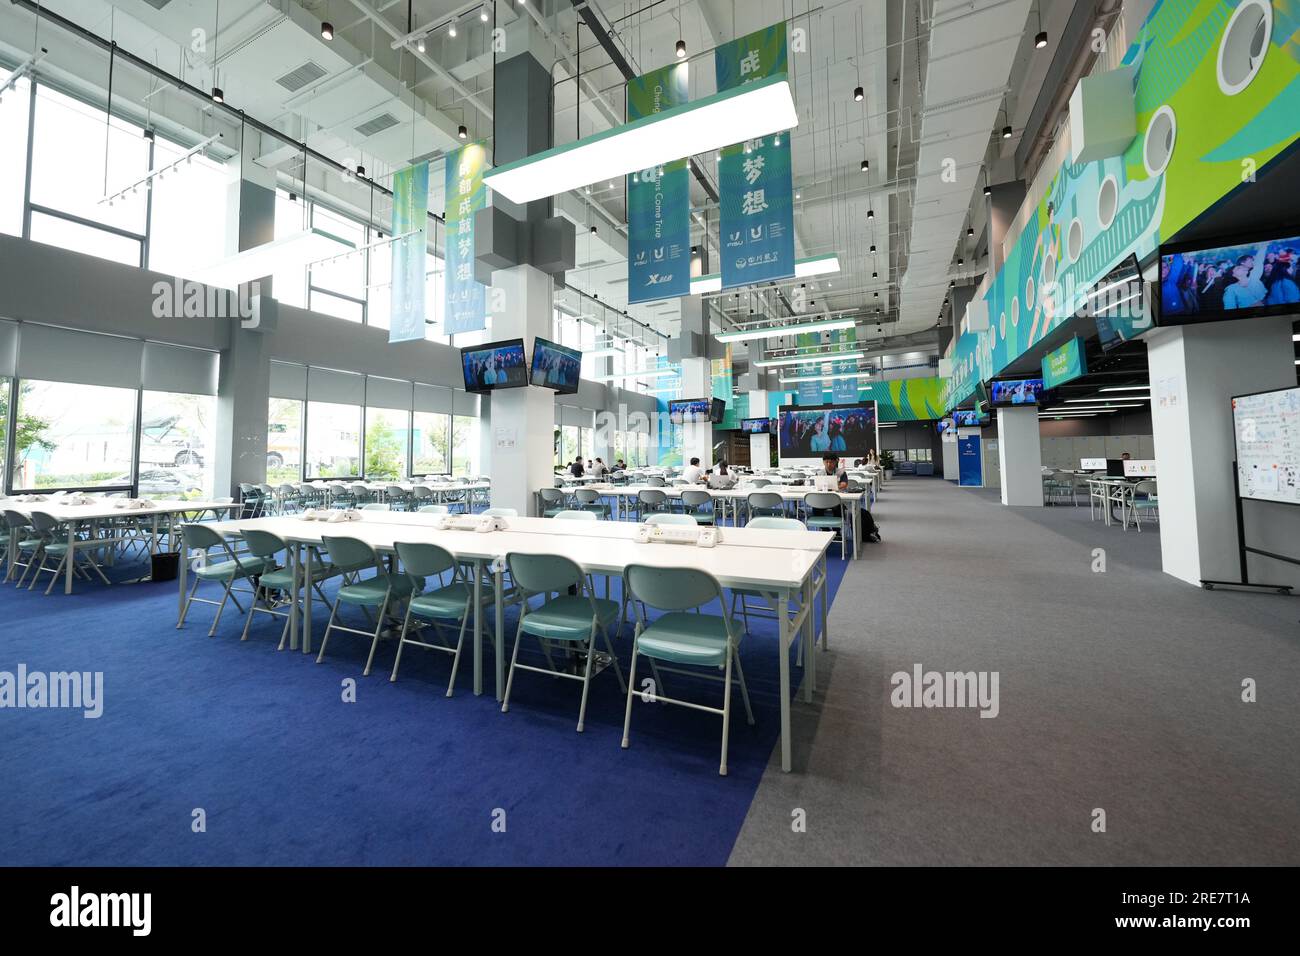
<point x="295" y="563"/>
<point x="498" y="637"/>
<point x="183" y="575"/>
<point x="67" y="574"/>
<point x="306" y="600"/>
<point x="478" y="628"/>
<point x="809" y="642"/>
<point x="783" y="651"/>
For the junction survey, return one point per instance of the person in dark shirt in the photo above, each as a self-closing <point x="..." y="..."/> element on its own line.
<point x="576" y="469"/>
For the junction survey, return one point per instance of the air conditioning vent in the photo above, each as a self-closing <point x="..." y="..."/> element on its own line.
<point x="377" y="125"/>
<point x="296" y="79"/>
<point x="591" y="263"/>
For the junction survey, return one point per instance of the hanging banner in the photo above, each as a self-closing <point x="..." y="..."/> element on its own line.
<point x="757" y="205"/>
<point x="466" y="300"/>
<point x="411" y="224"/>
<point x="809" y="393"/>
<point x="844" y="391"/>
<point x="658" y="199"/>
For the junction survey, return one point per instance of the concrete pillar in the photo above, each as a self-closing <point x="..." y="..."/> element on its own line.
<point x="1195" y="371"/>
<point x="244" y="381"/>
<point x="1020" y="457"/>
<point x="697" y="379"/>
<point x="1005" y="201"/>
<point x="760" y="446"/>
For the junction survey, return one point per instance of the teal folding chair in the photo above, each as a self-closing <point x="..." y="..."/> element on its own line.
<point x="577" y="516"/>
<point x="386" y="589"/>
<point x="743" y="594"/>
<point x="764" y="504"/>
<point x="28" y="542"/>
<point x="553" y="501"/>
<point x="225" y="570"/>
<point x="432" y="510"/>
<point x="824" y="511"/>
<point x="276" y="588"/>
<point x="54" y="544"/>
<point x="501" y="512"/>
<point x="445" y="600"/>
<point x="572" y="620"/>
<point x="590" y="500"/>
<point x="671" y="517"/>
<point x="650" y="500"/>
<point x="677" y="637"/>
<point x="376" y="506"/>
<point x="698" y="505"/>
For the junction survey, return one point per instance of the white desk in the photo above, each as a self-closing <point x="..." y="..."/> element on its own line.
<point x="779" y="564"/>
<point x="102" y="509"/>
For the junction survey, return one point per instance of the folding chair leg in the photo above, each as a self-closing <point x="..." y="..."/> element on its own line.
<point x="455" y="660"/>
<point x="334" y="610"/>
<point x="379" y="629"/>
<point x="58" y="572"/>
<point x="726" y="715"/>
<point x="744" y="691"/>
<point x="609" y="646"/>
<point x="401" y="643"/>
<point x="248" y="618"/>
<point x="188" y="601"/>
<point x="221" y="607"/>
<point x="586" y="677"/>
<point x="631" y="689"/>
<point x="514" y="656"/>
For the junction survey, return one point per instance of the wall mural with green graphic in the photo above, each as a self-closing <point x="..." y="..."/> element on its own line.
<point x="897" y="400"/>
<point x="1209" y="116"/>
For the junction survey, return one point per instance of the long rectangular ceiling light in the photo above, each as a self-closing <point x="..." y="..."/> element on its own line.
<point x="794" y="379"/>
<point x="816" y="358"/>
<point x="776" y="331"/>
<point x="803" y="268"/>
<point x="278" y="255"/>
<point x="644" y="373"/>
<point x="746" y="112"/>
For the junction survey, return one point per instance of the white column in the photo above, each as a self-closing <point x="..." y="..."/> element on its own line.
<point x="697" y="437"/>
<point x="522" y="419"/>
<point x="760" y="446"/>
<point x="1020" y="456"/>
<point x="1195" y="371"/>
<point x="950" y="462"/>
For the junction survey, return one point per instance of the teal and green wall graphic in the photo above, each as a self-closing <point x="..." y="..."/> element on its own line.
<point x="658" y="199"/>
<point x="1188" y="93"/>
<point x="1064" y="364"/>
<point x="897" y="400"/>
<point x="756" y="221"/>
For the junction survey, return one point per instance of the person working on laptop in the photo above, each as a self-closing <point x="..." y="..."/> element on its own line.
<point x="832" y="465"/>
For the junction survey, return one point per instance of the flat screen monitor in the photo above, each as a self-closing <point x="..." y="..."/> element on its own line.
<point x="943" y="426"/>
<point x="685" y="410"/>
<point x="969" y="418"/>
<point x="555" y="366"/>
<point x="1092" y="464"/>
<point x="1010" y="393"/>
<point x="1117" y="305"/>
<point x="756" y="426"/>
<point x="811" y="431"/>
<point x="1266" y="430"/>
<point x="1115" y="467"/>
<point x="495" y="365"/>
<point x="1240" y="278"/>
<point x="717" y="410"/>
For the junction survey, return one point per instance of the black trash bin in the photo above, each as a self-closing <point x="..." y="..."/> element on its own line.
<point x="165" y="566"/>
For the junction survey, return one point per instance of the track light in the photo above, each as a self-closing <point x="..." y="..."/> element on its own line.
<point x="875" y="275"/>
<point x="451" y="28"/>
<point x="327" y="30"/>
<point x="970" y="232"/>
<point x="961" y="261"/>
<point x="681" y="49"/>
<point x="988" y="190"/>
<point x="462" y="132"/>
<point x="865" y="166"/>
<point x="217" y="95"/>
<point x="1040" y="41"/>
<point x="361" y="170"/>
<point x="1006" y="132"/>
<point x="419" y="44"/>
<point x="858" y="94"/>
<point x="482" y="14"/>
<point x="871" y="214"/>
<point x="873" y="249"/>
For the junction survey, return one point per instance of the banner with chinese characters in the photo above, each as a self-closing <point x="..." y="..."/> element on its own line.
<point x="411" y="229"/>
<point x="466" y="300"/>
<point x="757" y="202"/>
<point x="658" y="199"/>
<point x="809" y="392"/>
<point x="844" y="391"/>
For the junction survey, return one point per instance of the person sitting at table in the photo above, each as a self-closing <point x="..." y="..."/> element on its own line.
<point x="721" y="478"/>
<point x="692" y="472"/>
<point x="1125" y="456"/>
<point x="599" y="470"/>
<point x="831" y="464"/>
<point x="620" y="465"/>
<point x="576" y="469"/>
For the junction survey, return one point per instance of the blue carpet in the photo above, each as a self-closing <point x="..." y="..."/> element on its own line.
<point x="289" y="774"/>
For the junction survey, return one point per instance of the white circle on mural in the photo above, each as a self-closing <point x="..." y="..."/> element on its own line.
<point x="1049" y="269"/>
<point x="1158" y="146"/>
<point x="1074" y="242"/>
<point x="1015" y="312"/>
<point x="1107" y="201"/>
<point x="1244" y="45"/>
<point x="1002" y="325"/>
<point x="1029" y="293"/>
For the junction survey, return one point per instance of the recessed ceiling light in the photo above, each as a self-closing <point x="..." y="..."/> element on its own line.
<point x="327" y="30"/>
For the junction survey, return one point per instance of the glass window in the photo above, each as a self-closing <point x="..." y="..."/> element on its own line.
<point x="586" y="438"/>
<point x="464" y="445"/>
<point x="344" y="278"/>
<point x="334" y="305"/>
<point x="289" y="284"/>
<point x="69" y="143"/>
<point x="73" y="436"/>
<point x="430" y="444"/>
<point x="67" y="234"/>
<point x="568" y="444"/>
<point x="13" y="157"/>
<point x="177" y="444"/>
<point x="333" y="440"/>
<point x="187" y="225"/>
<point x="379" y="298"/>
<point x="386" y="436"/>
<point x="284" y="440"/>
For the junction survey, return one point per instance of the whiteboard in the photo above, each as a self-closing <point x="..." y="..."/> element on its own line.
<point x="1266" y="427"/>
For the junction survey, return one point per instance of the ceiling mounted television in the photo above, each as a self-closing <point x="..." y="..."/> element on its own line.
<point x="1012" y="393"/>
<point x="555" y="366"/>
<point x="756" y="426"/>
<point x="688" y="410"/>
<point x="1246" y="277"/>
<point x="717" y="410"/>
<point x="969" y="418"/>
<point x="495" y="365"/>
<point x="812" y="431"/>
<point x="1117" y="305"/>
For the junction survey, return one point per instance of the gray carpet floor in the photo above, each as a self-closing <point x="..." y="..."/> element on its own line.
<point x="1119" y="691"/>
